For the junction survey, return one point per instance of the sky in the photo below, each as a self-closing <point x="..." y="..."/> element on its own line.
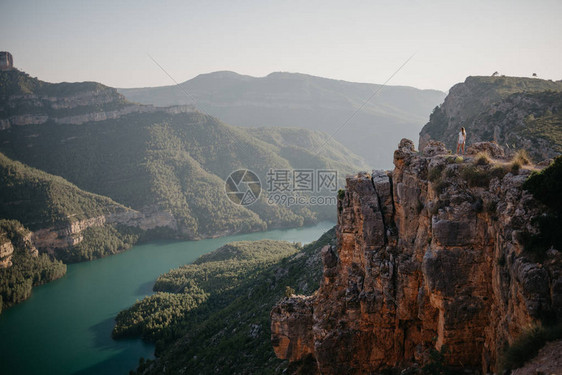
<point x="363" y="41"/>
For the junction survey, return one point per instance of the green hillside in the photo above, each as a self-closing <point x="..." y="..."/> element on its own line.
<point x="28" y="269"/>
<point x="178" y="163"/>
<point x="516" y="112"/>
<point x="212" y="316"/>
<point x="40" y="200"/>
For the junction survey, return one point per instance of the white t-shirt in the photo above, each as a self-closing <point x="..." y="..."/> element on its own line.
<point x="462" y="137"/>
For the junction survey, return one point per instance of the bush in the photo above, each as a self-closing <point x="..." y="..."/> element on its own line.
<point x="341" y="194"/>
<point x="289" y="292"/>
<point x="498" y="171"/>
<point x="549" y="236"/>
<point x="527" y="345"/>
<point x="440" y="186"/>
<point x="475" y="176"/>
<point x="450" y="172"/>
<point x="546" y="187"/>
<point x="436" y="364"/>
<point x="434" y="173"/>
<point x="482" y="158"/>
<point x="515" y="167"/>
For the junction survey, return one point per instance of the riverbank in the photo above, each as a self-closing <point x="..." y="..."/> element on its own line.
<point x="65" y="327"/>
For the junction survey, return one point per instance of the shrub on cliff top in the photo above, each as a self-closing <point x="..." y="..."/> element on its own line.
<point x="498" y="171"/>
<point x="435" y="173"/>
<point x="482" y="158"/>
<point x="546" y="187"/>
<point x="475" y="176"/>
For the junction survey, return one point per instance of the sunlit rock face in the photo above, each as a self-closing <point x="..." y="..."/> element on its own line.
<point x="419" y="266"/>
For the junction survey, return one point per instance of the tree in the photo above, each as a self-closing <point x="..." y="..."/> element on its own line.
<point x="289" y="292"/>
<point x="495" y="74"/>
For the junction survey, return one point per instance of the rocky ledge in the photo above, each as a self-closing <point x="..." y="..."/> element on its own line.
<point x="52" y="239"/>
<point x="426" y="261"/>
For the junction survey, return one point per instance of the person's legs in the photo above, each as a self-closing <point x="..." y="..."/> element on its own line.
<point x="458" y="147"/>
<point x="463" y="148"/>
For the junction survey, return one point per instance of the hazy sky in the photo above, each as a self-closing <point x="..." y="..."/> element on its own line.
<point x="365" y="41"/>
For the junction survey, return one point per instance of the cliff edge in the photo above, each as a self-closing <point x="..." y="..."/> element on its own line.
<point x="429" y="260"/>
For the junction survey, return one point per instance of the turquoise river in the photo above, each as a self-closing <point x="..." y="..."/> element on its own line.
<point x="65" y="327"/>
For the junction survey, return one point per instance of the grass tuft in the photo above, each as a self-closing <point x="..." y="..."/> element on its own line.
<point x="482" y="158"/>
<point x="522" y="158"/>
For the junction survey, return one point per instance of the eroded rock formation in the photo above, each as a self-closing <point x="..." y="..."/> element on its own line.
<point x="8" y="247"/>
<point x="420" y="266"/>
<point x="53" y="238"/>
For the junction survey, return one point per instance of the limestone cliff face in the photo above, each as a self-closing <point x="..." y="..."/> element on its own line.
<point x="28" y="101"/>
<point x="83" y="114"/>
<point x="6" y="252"/>
<point x="7" y="247"/>
<point x="50" y="239"/>
<point x="420" y="267"/>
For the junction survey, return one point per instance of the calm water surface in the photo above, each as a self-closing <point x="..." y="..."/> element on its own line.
<point x="65" y="327"/>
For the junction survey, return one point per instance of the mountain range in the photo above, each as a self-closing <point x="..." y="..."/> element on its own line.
<point x="165" y="167"/>
<point x="369" y="119"/>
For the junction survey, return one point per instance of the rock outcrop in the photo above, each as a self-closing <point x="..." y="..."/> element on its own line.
<point x="515" y="112"/>
<point x="6" y="252"/>
<point x="422" y="265"/>
<point x="28" y="101"/>
<point x="53" y="238"/>
<point x="21" y="240"/>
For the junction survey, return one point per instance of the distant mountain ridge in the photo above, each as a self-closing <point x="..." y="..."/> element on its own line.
<point x="516" y="112"/>
<point x="306" y="101"/>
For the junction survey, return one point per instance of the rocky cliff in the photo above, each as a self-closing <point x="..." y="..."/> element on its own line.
<point x="516" y="112"/>
<point x="28" y="101"/>
<point x="429" y="260"/>
<point x="9" y="243"/>
<point x="6" y="253"/>
<point x="53" y="239"/>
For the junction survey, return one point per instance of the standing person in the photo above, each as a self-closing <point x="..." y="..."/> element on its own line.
<point x="462" y="140"/>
